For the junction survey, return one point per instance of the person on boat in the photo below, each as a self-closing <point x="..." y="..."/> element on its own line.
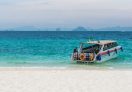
<point x="75" y="52"/>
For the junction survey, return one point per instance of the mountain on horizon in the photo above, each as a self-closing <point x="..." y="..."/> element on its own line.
<point x="80" y="28"/>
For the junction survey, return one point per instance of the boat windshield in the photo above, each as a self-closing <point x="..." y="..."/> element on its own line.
<point x="90" y="48"/>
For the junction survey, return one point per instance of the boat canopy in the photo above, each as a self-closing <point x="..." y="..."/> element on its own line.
<point x="99" y="42"/>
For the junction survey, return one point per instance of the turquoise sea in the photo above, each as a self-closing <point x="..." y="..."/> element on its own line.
<point x="53" y="49"/>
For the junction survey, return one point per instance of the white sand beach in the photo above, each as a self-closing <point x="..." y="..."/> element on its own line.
<point x="42" y="80"/>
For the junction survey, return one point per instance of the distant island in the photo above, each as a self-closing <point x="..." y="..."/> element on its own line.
<point x="79" y="28"/>
<point x="58" y="29"/>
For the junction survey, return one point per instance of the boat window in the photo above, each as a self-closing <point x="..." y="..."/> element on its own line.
<point x="91" y="48"/>
<point x="85" y="46"/>
<point x="105" y="47"/>
<point x="109" y="46"/>
<point x="115" y="44"/>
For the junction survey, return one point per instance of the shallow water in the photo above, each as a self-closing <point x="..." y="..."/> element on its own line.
<point x="53" y="48"/>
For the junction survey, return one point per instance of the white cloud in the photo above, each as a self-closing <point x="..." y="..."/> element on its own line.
<point x="65" y="12"/>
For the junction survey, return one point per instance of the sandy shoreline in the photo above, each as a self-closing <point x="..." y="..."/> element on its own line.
<point x="64" y="80"/>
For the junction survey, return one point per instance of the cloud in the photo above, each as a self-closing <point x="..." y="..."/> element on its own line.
<point x="65" y="12"/>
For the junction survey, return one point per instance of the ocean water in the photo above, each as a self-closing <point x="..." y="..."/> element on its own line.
<point x="53" y="49"/>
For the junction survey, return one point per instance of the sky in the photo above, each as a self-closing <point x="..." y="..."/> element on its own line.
<point x="65" y="13"/>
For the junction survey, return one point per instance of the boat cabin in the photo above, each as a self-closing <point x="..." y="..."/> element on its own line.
<point x="97" y="46"/>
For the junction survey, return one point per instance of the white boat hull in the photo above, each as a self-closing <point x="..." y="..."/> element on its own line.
<point x="107" y="57"/>
<point x="104" y="57"/>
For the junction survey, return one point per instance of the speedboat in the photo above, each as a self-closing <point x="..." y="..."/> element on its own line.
<point x="96" y="51"/>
